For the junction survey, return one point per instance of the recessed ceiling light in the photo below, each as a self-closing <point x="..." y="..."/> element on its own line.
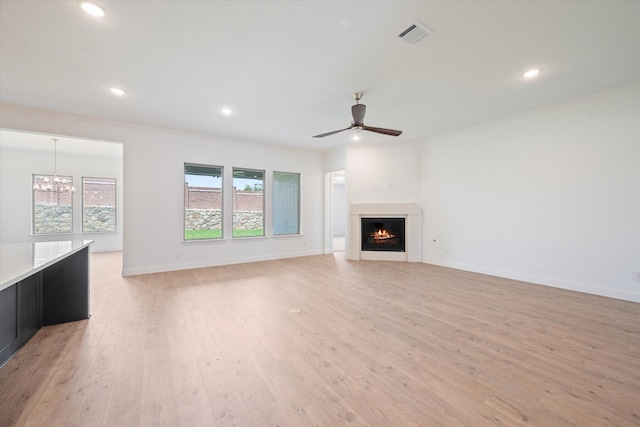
<point x="117" y="91"/>
<point x="226" y="111"/>
<point x="92" y="9"/>
<point x="531" y="73"/>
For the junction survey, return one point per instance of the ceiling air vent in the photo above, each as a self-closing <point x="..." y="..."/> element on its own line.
<point x="415" y="33"/>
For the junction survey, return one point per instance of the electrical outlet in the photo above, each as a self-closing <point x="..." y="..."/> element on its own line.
<point x="635" y="275"/>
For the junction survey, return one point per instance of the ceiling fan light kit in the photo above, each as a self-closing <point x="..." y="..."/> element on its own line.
<point x="357" y="125"/>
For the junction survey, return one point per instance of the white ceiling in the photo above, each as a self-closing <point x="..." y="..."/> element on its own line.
<point x="40" y="142"/>
<point x="288" y="68"/>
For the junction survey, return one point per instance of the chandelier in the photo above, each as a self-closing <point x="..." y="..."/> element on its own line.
<point x="56" y="185"/>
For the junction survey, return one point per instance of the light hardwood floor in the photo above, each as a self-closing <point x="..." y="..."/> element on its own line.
<point x="377" y="343"/>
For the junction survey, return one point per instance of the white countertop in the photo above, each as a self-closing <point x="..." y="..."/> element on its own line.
<point x="20" y="260"/>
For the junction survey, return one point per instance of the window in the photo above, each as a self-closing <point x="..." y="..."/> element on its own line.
<point x="52" y="210"/>
<point x="286" y="203"/>
<point x="98" y="205"/>
<point x="248" y="202"/>
<point x="202" y="202"/>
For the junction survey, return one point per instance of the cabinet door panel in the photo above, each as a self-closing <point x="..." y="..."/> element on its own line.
<point x="8" y="316"/>
<point x="65" y="289"/>
<point x="29" y="304"/>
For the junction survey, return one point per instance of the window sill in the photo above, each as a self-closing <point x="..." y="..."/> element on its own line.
<point x="243" y="239"/>
<point x="246" y="238"/>
<point x="196" y="241"/>
<point x="100" y="232"/>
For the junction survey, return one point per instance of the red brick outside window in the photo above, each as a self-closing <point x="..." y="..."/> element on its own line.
<point x="98" y="205"/>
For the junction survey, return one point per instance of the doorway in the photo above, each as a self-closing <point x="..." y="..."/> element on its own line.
<point x="339" y="212"/>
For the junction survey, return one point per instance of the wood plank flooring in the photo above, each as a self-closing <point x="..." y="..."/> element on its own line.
<point x="377" y="344"/>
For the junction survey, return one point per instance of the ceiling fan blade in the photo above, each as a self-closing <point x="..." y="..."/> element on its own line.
<point x="357" y="111"/>
<point x="384" y="131"/>
<point x="322" y="135"/>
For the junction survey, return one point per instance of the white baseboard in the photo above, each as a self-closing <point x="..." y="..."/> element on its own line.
<point x="541" y="280"/>
<point x="105" y="249"/>
<point x="212" y="263"/>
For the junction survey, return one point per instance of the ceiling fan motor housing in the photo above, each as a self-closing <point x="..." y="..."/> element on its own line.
<point x="358" y="111"/>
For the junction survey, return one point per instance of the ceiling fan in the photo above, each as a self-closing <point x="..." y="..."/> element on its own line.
<point x="357" y="111"/>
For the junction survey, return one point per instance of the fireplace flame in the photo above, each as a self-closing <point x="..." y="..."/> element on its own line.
<point x="382" y="234"/>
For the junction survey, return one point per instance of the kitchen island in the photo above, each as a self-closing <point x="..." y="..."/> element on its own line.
<point x="41" y="284"/>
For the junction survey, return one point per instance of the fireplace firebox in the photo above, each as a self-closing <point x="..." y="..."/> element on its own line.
<point x="382" y="234"/>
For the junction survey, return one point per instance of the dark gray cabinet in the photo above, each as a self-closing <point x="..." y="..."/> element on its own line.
<point x="59" y="293"/>
<point x="8" y="318"/>
<point x="20" y="315"/>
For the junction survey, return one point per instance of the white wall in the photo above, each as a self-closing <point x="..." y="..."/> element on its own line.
<point x="153" y="194"/>
<point x="16" y="169"/>
<point x="335" y="160"/>
<point x="383" y="174"/>
<point x="552" y="197"/>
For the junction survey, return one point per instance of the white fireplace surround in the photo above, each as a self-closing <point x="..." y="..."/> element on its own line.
<point x="409" y="211"/>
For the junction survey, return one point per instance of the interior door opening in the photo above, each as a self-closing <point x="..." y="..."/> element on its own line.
<point x="339" y="212"/>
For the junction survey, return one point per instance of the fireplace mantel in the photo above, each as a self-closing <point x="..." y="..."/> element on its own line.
<point x="409" y="211"/>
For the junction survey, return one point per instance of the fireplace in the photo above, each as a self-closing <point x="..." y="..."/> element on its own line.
<point x="407" y="213"/>
<point x="382" y="234"/>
